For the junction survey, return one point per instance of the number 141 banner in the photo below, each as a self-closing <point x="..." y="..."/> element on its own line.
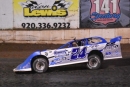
<point x="104" y="11"/>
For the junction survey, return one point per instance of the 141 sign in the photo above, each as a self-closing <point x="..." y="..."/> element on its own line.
<point x="105" y="11"/>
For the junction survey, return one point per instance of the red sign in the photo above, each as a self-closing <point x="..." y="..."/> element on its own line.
<point x="105" y="11"/>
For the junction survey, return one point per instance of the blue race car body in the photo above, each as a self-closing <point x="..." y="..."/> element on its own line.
<point x="73" y="52"/>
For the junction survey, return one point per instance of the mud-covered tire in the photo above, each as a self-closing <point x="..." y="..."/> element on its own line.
<point x="94" y="62"/>
<point x="40" y="65"/>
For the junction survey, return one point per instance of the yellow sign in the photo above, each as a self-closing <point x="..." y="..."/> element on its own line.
<point x="46" y="13"/>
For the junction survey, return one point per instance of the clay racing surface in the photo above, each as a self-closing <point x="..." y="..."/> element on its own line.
<point x="114" y="73"/>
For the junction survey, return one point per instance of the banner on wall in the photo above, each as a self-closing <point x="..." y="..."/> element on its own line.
<point x="104" y="13"/>
<point x="46" y="14"/>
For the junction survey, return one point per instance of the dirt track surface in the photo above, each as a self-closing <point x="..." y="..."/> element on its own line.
<point x="114" y="73"/>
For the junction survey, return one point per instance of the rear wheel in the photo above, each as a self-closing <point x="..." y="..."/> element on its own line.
<point x="94" y="62"/>
<point x="40" y="65"/>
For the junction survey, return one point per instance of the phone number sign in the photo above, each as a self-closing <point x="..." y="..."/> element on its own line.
<point x="46" y="14"/>
<point x="104" y="11"/>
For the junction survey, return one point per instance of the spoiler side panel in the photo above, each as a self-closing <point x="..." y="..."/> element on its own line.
<point x="116" y="39"/>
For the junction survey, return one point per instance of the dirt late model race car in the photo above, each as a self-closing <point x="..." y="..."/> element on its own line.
<point x="92" y="50"/>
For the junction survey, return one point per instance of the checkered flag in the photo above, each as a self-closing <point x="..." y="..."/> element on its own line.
<point x="29" y="4"/>
<point x="62" y="4"/>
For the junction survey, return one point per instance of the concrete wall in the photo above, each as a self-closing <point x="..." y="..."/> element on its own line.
<point x="60" y="36"/>
<point x="6" y="14"/>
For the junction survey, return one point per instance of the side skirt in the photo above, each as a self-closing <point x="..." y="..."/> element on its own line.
<point x="68" y="63"/>
<point x="113" y="58"/>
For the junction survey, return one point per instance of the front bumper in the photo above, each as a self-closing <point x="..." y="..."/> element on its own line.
<point x="22" y="70"/>
<point x="26" y="65"/>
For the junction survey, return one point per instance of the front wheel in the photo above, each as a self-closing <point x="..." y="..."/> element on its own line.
<point x="40" y="65"/>
<point x="94" y="62"/>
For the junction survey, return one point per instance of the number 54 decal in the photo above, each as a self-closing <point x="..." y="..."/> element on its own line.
<point x="79" y="54"/>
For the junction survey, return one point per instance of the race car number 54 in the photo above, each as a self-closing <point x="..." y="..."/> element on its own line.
<point x="45" y="25"/>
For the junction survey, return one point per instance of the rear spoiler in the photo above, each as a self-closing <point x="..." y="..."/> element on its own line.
<point x="116" y="39"/>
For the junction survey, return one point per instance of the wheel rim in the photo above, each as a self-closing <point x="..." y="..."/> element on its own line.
<point x="93" y="62"/>
<point x="40" y="65"/>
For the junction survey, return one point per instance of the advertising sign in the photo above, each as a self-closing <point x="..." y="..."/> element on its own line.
<point x="104" y="13"/>
<point x="46" y="14"/>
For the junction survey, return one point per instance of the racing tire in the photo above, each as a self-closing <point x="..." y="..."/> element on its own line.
<point x="40" y="65"/>
<point x="94" y="62"/>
